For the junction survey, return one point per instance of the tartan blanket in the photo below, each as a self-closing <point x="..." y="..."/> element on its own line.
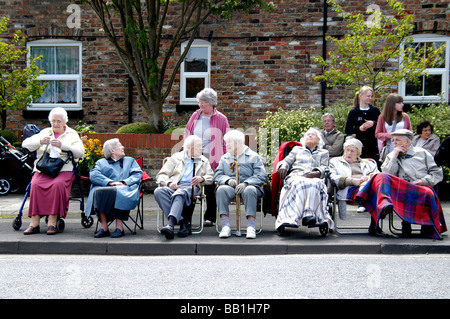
<point x="414" y="204"/>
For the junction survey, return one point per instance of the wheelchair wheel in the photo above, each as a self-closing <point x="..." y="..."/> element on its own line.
<point x="87" y="222"/>
<point x="60" y="225"/>
<point x="17" y="223"/>
<point x="5" y="186"/>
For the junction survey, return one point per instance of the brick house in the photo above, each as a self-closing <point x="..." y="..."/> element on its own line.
<point x="257" y="62"/>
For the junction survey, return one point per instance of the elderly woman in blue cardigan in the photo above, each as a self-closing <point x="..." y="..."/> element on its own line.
<point x="115" y="188"/>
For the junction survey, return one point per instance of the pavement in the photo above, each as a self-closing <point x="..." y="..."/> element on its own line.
<point x="76" y="239"/>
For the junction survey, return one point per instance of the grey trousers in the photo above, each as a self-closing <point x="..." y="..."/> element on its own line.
<point x="225" y="193"/>
<point x="172" y="201"/>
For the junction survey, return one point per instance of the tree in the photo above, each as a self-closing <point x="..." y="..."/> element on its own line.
<point x="376" y="51"/>
<point x="137" y="29"/>
<point x="18" y="85"/>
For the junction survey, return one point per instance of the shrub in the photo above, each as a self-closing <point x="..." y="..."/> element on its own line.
<point x="137" y="128"/>
<point x="9" y="136"/>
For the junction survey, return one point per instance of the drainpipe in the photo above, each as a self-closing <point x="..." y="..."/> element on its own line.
<point x="130" y="100"/>
<point x="324" y="46"/>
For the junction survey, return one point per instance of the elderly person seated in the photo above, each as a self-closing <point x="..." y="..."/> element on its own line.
<point x="250" y="185"/>
<point x="179" y="181"/>
<point x="115" y="188"/>
<point x="349" y="173"/>
<point x="304" y="193"/>
<point x="425" y="138"/>
<point x="50" y="196"/>
<point x="405" y="186"/>
<point x="334" y="139"/>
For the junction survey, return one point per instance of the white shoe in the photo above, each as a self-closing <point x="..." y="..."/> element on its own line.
<point x="251" y="232"/>
<point x="361" y="209"/>
<point x="225" y="232"/>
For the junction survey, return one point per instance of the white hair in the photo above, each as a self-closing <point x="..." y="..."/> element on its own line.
<point x="189" y="140"/>
<point x="235" y="135"/>
<point x="318" y="134"/>
<point x="58" y="111"/>
<point x="109" y="145"/>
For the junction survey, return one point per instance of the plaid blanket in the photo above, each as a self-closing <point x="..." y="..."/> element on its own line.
<point x="412" y="203"/>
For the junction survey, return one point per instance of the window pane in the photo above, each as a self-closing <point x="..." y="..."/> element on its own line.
<point x="67" y="60"/>
<point x="48" y="58"/>
<point x="433" y="84"/>
<point x="57" y="60"/>
<point x="196" y="60"/>
<point x="193" y="86"/>
<point x="59" y="92"/>
<point x="440" y="60"/>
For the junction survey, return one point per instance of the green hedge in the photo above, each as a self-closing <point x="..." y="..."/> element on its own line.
<point x="137" y="128"/>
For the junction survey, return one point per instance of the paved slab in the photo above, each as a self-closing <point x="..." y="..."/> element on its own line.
<point x="79" y="240"/>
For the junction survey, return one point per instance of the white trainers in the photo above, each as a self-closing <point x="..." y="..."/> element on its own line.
<point x="361" y="209"/>
<point x="225" y="232"/>
<point x="251" y="232"/>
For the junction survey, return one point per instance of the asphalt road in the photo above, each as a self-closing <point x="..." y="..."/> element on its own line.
<point x="218" y="277"/>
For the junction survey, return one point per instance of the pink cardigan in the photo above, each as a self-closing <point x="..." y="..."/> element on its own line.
<point x="382" y="135"/>
<point x="219" y="126"/>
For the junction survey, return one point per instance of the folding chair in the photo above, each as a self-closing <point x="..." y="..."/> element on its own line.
<point x="201" y="197"/>
<point x="138" y="219"/>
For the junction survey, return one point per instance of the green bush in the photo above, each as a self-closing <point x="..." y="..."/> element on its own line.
<point x="137" y="128"/>
<point x="9" y="136"/>
<point x="178" y="129"/>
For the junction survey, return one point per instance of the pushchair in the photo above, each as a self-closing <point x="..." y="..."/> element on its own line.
<point x="15" y="169"/>
<point x="60" y="225"/>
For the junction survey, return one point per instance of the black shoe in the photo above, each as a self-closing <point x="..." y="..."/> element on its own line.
<point x="386" y="211"/>
<point x="406" y="229"/>
<point x="377" y="232"/>
<point x="118" y="233"/>
<point x="102" y="233"/>
<point x="309" y="221"/>
<point x="168" y="231"/>
<point x="185" y="229"/>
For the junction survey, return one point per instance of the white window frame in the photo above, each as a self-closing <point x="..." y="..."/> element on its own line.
<point x="184" y="75"/>
<point x="61" y="77"/>
<point x="440" y="71"/>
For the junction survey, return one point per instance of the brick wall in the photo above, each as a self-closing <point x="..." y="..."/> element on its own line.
<point x="260" y="61"/>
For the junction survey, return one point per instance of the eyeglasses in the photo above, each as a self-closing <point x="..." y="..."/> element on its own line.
<point x="56" y="121"/>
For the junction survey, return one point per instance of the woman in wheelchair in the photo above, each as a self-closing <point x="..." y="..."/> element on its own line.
<point x="115" y="188"/>
<point x="348" y="173"/>
<point x="304" y="193"/>
<point x="179" y="181"/>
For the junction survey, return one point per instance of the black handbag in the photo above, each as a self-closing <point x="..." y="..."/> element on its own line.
<point x="50" y="166"/>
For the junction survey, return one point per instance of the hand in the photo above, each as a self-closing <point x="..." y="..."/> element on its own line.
<point x="173" y="186"/>
<point x="115" y="184"/>
<point x="45" y="140"/>
<point x="56" y="143"/>
<point x="196" y="180"/>
<point x="368" y="124"/>
<point x="314" y="174"/>
<point x="282" y="172"/>
<point x="232" y="182"/>
<point x="240" y="188"/>
<point x="418" y="182"/>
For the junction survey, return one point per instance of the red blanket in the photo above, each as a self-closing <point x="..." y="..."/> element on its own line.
<point x="412" y="203"/>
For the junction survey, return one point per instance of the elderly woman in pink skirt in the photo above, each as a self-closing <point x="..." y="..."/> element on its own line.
<point x="50" y="196"/>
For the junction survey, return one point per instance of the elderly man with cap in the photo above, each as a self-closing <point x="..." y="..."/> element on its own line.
<point x="405" y="186"/>
<point x="350" y="172"/>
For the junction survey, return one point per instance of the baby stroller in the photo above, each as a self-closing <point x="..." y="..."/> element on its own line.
<point x="60" y="225"/>
<point x="15" y="168"/>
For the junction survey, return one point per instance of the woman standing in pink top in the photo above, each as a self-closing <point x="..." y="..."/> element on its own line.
<point x="210" y="125"/>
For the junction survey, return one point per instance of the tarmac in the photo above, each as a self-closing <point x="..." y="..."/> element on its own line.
<point x="76" y="239"/>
